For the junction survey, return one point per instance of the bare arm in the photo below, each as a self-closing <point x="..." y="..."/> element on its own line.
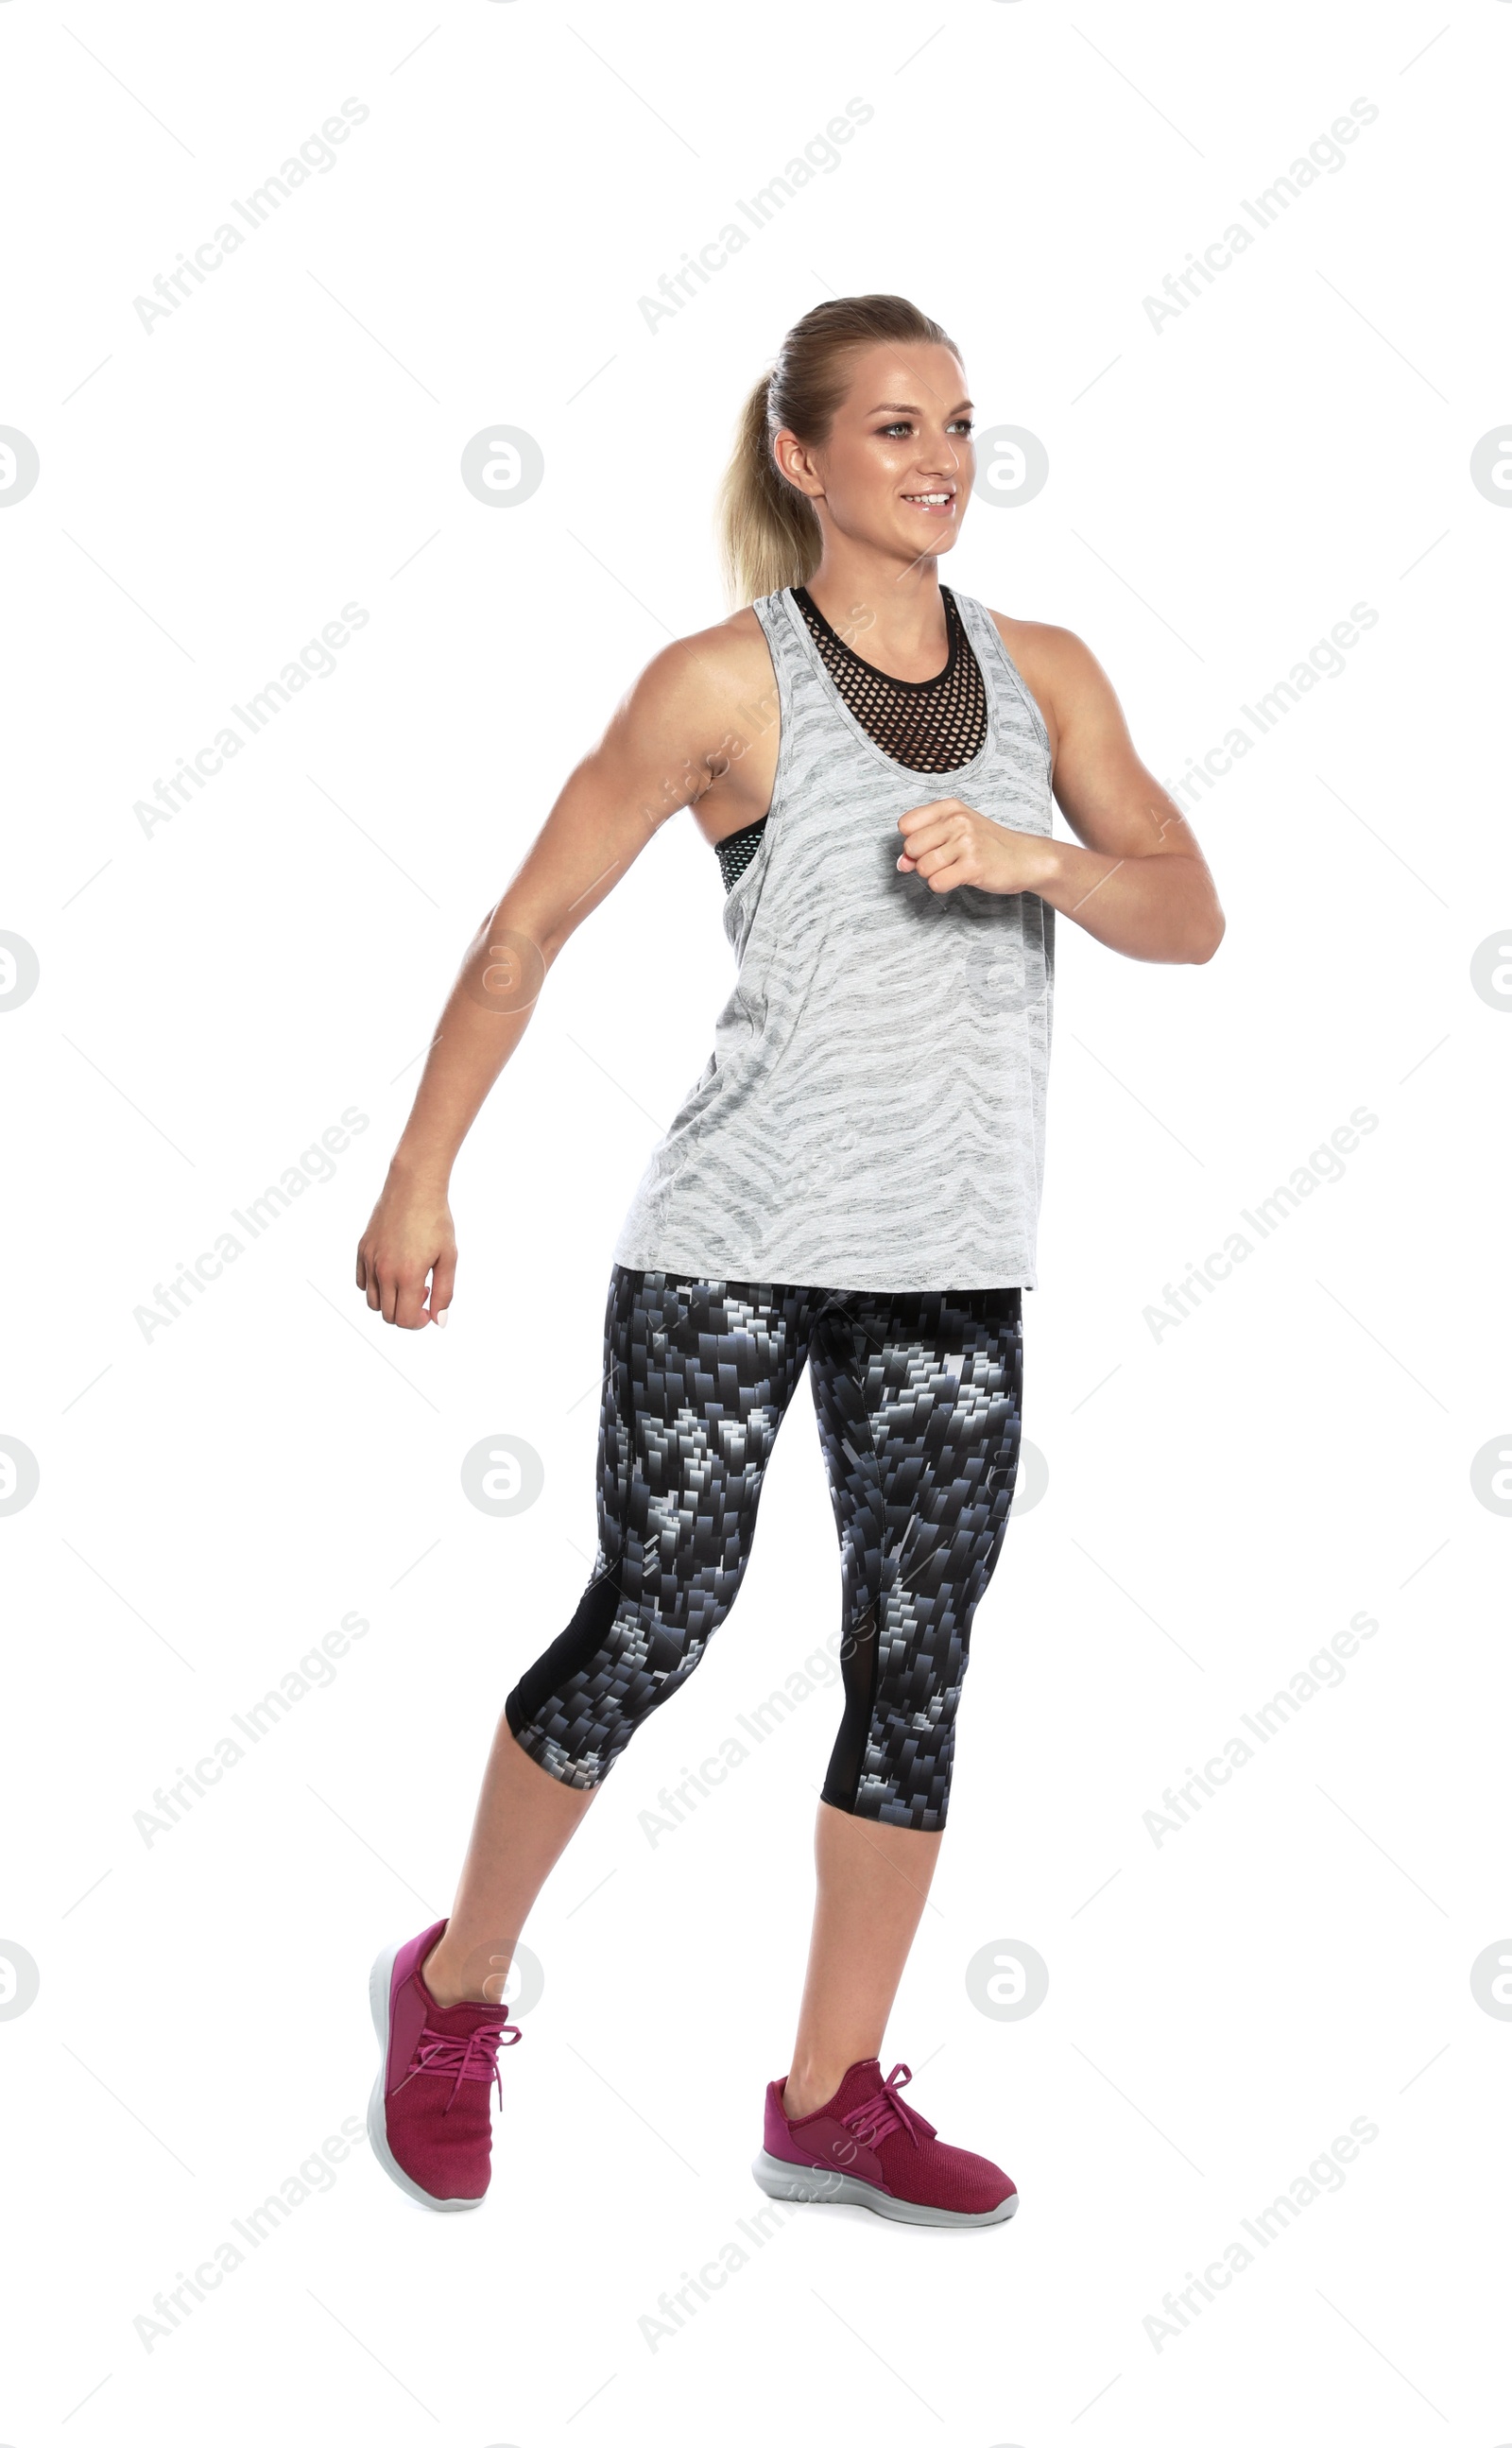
<point x="1140" y="884"/>
<point x="653" y="759"/>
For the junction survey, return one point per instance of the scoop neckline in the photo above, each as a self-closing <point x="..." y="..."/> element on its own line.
<point x="954" y="630"/>
<point x="826" y="680"/>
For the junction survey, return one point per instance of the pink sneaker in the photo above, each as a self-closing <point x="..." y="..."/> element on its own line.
<point x="868" y="2147"/>
<point x="429" y="2117"/>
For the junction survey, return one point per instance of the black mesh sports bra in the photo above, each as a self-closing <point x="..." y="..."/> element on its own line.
<point x="930" y="726"/>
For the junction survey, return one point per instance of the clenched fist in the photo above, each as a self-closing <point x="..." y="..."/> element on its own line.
<point x="949" y="844"/>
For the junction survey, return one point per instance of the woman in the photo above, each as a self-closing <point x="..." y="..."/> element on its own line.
<point x="854" y="1181"/>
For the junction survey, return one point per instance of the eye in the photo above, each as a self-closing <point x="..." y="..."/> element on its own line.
<point x="900" y="426"/>
<point x="965" y="424"/>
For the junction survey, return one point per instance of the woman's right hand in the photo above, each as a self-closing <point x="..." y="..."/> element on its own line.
<point x="693" y="692"/>
<point x="408" y="1236"/>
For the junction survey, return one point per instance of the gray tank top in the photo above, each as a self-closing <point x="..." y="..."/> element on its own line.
<point x="871" y="1118"/>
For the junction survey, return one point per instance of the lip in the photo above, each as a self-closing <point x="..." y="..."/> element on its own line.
<point x="945" y="509"/>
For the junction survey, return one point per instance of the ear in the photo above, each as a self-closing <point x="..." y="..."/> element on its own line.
<point x="795" y="461"/>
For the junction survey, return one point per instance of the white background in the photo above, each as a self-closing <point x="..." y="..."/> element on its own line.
<point x="1221" y="1499"/>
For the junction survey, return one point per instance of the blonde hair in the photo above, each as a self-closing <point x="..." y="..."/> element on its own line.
<point x="769" y="532"/>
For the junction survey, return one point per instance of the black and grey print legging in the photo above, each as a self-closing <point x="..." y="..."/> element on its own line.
<point x="917" y="1396"/>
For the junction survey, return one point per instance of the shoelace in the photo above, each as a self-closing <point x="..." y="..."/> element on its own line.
<point x="473" y="2056"/>
<point x="885" y="2113"/>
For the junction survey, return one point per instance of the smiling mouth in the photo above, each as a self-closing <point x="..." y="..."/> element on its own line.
<point x="935" y="501"/>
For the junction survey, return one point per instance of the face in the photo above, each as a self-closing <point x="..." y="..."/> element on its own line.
<point x="895" y="471"/>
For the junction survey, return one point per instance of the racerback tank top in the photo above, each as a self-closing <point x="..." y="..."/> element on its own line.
<point x="872" y="1116"/>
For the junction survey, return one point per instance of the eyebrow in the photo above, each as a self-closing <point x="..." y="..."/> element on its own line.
<point x="901" y="407"/>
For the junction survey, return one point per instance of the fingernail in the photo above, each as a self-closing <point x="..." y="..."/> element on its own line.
<point x="442" y="1315"/>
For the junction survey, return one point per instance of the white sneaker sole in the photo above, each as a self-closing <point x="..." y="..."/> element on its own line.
<point x="786" y="2182"/>
<point x="379" y="1982"/>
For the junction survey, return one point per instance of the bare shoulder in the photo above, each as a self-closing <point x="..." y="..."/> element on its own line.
<point x="708" y="677"/>
<point x="1058" y="667"/>
<point x="703" y="719"/>
<point x="1041" y="641"/>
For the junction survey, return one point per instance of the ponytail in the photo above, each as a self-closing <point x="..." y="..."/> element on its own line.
<point x="768" y="530"/>
<point x="770" y="534"/>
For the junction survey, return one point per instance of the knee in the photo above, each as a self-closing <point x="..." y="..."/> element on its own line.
<point x="577" y="1708"/>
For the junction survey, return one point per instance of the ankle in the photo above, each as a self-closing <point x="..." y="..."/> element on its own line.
<point x="458" y="1978"/>
<point x="811" y="2083"/>
<point x="436" y="1974"/>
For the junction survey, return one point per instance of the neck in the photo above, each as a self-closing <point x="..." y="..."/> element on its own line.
<point x="890" y="611"/>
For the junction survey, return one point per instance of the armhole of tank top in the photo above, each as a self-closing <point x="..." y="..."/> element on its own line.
<point x="976" y="615"/>
<point x="771" y="613"/>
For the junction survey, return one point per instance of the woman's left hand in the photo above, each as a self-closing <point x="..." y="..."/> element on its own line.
<point x="949" y="844"/>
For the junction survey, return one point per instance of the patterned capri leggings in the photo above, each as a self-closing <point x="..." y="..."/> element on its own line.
<point x="917" y="1396"/>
